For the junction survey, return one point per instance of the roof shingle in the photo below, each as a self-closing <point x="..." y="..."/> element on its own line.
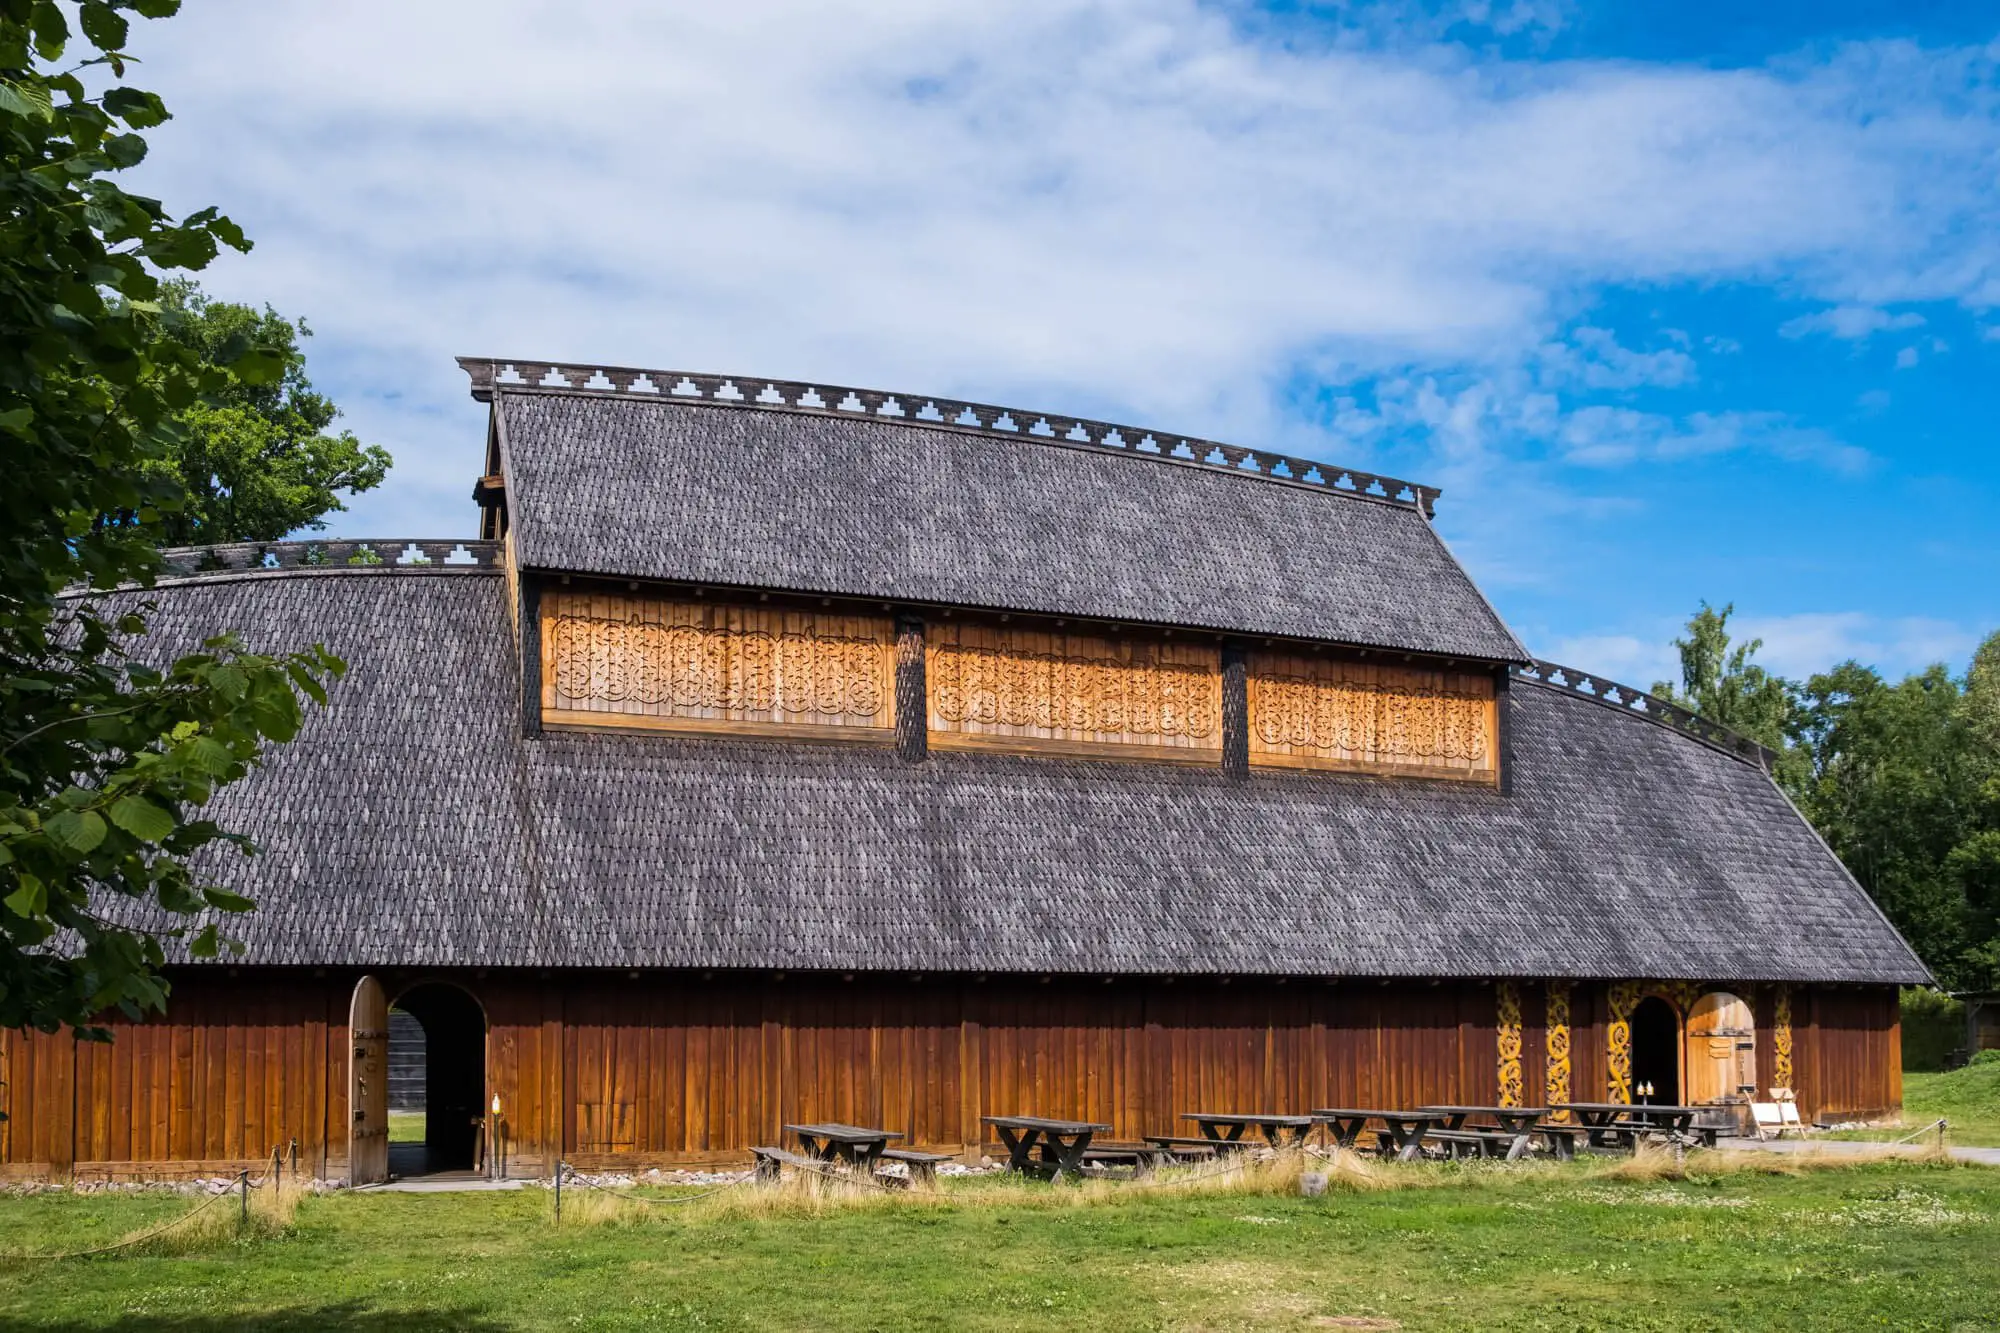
<point x="411" y="824"/>
<point x="658" y="488"/>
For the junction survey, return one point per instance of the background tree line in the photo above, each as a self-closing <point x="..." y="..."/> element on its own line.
<point x="1902" y="778"/>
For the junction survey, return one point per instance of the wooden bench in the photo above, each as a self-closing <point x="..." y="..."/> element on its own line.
<point x="923" y="1165"/>
<point x="1142" y="1158"/>
<point x="771" y="1163"/>
<point x="1180" y="1147"/>
<point x="1481" y="1143"/>
<point x="1561" y="1140"/>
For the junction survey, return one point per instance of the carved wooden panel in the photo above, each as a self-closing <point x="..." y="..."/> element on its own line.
<point x="620" y="660"/>
<point x="999" y="688"/>
<point x="1314" y="712"/>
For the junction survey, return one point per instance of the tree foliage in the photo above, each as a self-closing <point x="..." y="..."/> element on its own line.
<point x="1902" y="779"/>
<point x="257" y="459"/>
<point x="105" y="762"/>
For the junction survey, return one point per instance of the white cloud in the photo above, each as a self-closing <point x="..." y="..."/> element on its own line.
<point x="1593" y="358"/>
<point x="1852" y="323"/>
<point x="1625" y="658"/>
<point x="1796" y="646"/>
<point x="1906" y="358"/>
<point x="1601" y="436"/>
<point x="1799" y="645"/>
<point x="1131" y="207"/>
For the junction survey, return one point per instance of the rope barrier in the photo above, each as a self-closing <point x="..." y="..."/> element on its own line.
<point x="130" y="1241"/>
<point x="1940" y="1125"/>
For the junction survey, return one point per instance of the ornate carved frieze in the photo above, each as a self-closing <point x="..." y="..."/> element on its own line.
<point x="995" y="687"/>
<point x="632" y="660"/>
<point x="1313" y="712"/>
<point x="1557" y="1076"/>
<point x="1624" y="998"/>
<point x="1782" y="1072"/>
<point x="1507" y="997"/>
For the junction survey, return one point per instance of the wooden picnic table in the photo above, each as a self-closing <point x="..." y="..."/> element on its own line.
<point x="1509" y="1119"/>
<point x="1278" y="1130"/>
<point x="843" y="1143"/>
<point x="1604" y="1120"/>
<point x="1061" y="1142"/>
<point x="1403" y="1131"/>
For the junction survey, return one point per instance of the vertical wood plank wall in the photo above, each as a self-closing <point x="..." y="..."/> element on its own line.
<point x="674" y="1068"/>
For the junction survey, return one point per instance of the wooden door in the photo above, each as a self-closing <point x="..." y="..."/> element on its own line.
<point x="368" y="1084"/>
<point x="1721" y="1050"/>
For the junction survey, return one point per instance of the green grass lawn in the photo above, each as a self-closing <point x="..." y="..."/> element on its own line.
<point x="1969" y="1098"/>
<point x="1903" y="1246"/>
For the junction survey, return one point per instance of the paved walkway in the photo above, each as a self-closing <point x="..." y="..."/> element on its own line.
<point x="1919" y="1148"/>
<point x="445" y="1182"/>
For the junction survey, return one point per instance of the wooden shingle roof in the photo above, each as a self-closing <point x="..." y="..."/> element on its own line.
<point x="412" y="824"/>
<point x="898" y="498"/>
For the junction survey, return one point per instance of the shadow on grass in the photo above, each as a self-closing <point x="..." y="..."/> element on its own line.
<point x="346" y="1317"/>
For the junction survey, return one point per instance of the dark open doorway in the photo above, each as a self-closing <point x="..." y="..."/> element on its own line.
<point x="1656" y="1051"/>
<point x="448" y="1065"/>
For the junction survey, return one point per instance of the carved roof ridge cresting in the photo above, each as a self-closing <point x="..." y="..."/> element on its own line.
<point x="1644" y="704"/>
<point x="489" y="374"/>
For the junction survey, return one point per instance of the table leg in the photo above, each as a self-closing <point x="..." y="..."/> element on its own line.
<point x="1069" y="1155"/>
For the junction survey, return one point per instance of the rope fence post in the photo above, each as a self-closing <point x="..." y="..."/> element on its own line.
<point x="243" y="1191"/>
<point x="559" y="1174"/>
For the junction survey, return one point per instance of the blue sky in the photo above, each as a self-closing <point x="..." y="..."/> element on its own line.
<point x="1675" y="301"/>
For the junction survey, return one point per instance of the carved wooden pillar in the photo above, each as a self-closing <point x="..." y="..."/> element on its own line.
<point x="528" y="621"/>
<point x="1235" y="711"/>
<point x="912" y="701"/>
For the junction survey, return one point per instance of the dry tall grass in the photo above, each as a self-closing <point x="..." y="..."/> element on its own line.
<point x="1261" y="1173"/>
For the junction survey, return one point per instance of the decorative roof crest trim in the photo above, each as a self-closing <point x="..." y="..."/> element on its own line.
<point x="1642" y="703"/>
<point x="489" y="374"/>
<point x="386" y="555"/>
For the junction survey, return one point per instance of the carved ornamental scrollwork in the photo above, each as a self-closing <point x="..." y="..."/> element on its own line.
<point x="1312" y="712"/>
<point x="1624" y="998"/>
<point x="1556" y="1082"/>
<point x="616" y="660"/>
<point x="1507" y="997"/>
<point x="995" y="687"/>
<point x="1782" y="1071"/>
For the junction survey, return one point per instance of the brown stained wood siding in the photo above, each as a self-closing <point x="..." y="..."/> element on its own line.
<point x="1313" y="711"/>
<point x="607" y="1068"/>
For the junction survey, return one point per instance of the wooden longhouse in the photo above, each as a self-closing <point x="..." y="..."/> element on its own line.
<point x="784" y="752"/>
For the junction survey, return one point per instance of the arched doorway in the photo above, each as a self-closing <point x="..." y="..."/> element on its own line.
<point x="1656" y="1051"/>
<point x="1721" y="1050"/>
<point x="453" y="1079"/>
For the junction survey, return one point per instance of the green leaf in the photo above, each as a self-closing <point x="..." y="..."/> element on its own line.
<point x="261" y="365"/>
<point x="141" y="818"/>
<point x="25" y="99"/>
<point x="125" y="150"/>
<point x="225" y="901"/>
<point x="50" y="28"/>
<point x="17" y="420"/>
<point x="104" y="26"/>
<point x="203" y="945"/>
<point x="79" y="831"/>
<point x="31" y="899"/>
<point x="139" y="109"/>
